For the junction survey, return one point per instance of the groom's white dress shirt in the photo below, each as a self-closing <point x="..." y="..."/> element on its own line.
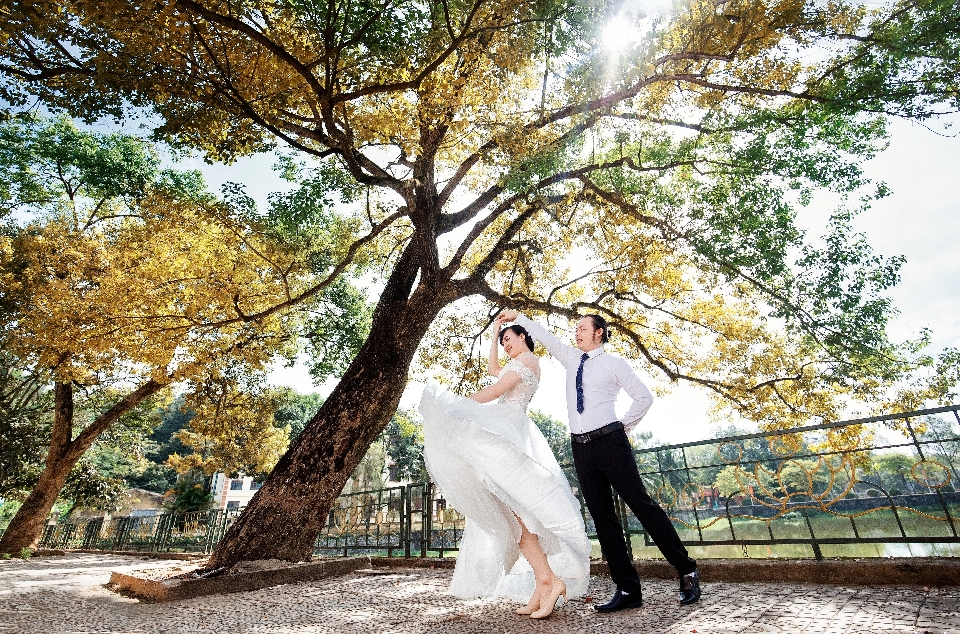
<point x="604" y="375"/>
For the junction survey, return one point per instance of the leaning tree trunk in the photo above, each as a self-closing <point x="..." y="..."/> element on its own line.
<point x="26" y="527"/>
<point x="284" y="517"/>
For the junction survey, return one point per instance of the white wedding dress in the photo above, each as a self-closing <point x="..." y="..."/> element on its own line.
<point x="491" y="462"/>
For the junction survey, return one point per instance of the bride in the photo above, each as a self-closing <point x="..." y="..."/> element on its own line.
<point x="495" y="467"/>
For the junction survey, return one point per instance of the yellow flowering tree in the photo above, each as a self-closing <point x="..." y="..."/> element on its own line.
<point x="125" y="278"/>
<point x="233" y="428"/>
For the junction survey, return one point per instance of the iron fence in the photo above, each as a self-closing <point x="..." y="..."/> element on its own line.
<point x="164" y="532"/>
<point x="868" y="487"/>
<point x="406" y="520"/>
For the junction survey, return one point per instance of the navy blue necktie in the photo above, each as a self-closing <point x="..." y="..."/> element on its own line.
<point x="583" y="360"/>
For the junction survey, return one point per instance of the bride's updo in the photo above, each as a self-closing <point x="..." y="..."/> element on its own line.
<point x="518" y="330"/>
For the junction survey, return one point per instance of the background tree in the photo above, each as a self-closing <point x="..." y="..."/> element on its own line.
<point x="946" y="449"/>
<point x="124" y="279"/>
<point x="557" y="435"/>
<point x="509" y="142"/>
<point x="189" y="494"/>
<point x="403" y="442"/>
<point x="295" y="410"/>
<point x="154" y="473"/>
<point x="233" y="429"/>
<point x="106" y="469"/>
<point x="893" y="469"/>
<point x="25" y="403"/>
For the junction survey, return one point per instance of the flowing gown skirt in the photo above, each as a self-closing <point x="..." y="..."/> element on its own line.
<point x="491" y="462"/>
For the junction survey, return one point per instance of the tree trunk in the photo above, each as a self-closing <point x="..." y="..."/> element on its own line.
<point x="284" y="517"/>
<point x="26" y="527"/>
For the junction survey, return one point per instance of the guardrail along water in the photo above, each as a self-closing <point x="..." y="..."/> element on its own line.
<point x="880" y="486"/>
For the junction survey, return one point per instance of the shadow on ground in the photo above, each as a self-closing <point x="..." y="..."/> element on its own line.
<point x="66" y="594"/>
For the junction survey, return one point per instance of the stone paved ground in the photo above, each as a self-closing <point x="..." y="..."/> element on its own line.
<point x="66" y="594"/>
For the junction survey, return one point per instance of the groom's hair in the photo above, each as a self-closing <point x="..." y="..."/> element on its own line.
<point x="599" y="323"/>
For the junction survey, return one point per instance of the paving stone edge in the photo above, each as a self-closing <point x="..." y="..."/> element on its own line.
<point x="143" y="554"/>
<point x="157" y="591"/>
<point x="856" y="572"/>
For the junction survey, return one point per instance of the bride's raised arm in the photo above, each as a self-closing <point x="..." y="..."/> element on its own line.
<point x="507" y="381"/>
<point x="493" y="360"/>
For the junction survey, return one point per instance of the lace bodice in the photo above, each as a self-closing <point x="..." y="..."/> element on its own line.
<point x="521" y="393"/>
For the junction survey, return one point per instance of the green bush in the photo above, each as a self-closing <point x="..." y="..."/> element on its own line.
<point x="873" y="493"/>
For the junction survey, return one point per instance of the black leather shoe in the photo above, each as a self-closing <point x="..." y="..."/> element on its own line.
<point x="621" y="601"/>
<point x="690" y="587"/>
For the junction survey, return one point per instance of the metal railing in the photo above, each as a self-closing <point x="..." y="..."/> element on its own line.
<point x="868" y="487"/>
<point x="406" y="520"/>
<point x="165" y="532"/>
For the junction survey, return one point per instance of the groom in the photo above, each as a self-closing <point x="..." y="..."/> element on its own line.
<point x="603" y="457"/>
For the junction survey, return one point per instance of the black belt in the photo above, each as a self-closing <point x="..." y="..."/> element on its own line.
<point x="596" y="433"/>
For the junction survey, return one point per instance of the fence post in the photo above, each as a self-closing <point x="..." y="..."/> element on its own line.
<point x="163" y="531"/>
<point x="813" y="538"/>
<point x="426" y="522"/>
<point x="49" y="531"/>
<point x="407" y="519"/>
<point x="213" y="519"/>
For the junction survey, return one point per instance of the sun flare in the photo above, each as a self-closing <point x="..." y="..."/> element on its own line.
<point x="620" y="34"/>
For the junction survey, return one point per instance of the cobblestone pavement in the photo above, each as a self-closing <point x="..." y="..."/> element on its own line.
<point x="66" y="594"/>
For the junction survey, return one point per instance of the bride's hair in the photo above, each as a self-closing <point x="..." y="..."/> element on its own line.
<point x="518" y="330"/>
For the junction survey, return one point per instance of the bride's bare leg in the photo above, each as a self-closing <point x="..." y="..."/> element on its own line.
<point x="530" y="547"/>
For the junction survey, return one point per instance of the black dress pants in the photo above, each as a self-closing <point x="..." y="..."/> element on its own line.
<point x="608" y="461"/>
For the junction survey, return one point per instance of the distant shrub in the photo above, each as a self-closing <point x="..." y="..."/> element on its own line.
<point x="873" y="493"/>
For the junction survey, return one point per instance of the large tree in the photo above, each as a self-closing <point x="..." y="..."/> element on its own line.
<point x="504" y="151"/>
<point x="118" y="280"/>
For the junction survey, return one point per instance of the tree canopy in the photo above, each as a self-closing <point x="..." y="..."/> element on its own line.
<point x="499" y="153"/>
<point x="120" y="278"/>
<point x="673" y="166"/>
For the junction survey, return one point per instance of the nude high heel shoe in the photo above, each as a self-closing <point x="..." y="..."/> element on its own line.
<point x="532" y="605"/>
<point x="550" y="602"/>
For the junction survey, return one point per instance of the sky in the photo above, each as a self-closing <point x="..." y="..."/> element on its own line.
<point x="919" y="220"/>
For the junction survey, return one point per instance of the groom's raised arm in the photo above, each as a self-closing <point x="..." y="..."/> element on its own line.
<point x="563" y="353"/>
